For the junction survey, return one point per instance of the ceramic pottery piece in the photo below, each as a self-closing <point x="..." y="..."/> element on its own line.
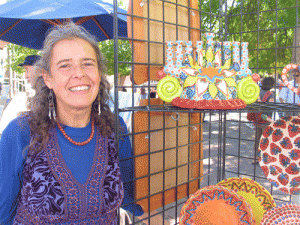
<point x="203" y="82"/>
<point x="286" y="214"/>
<point x="216" y="205"/>
<point x="256" y="196"/>
<point x="285" y="80"/>
<point x="279" y="154"/>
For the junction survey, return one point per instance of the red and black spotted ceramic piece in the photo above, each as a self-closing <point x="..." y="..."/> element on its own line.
<point x="279" y="154"/>
<point x="287" y="214"/>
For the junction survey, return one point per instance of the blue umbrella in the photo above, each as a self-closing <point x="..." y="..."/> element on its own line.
<point x="26" y="22"/>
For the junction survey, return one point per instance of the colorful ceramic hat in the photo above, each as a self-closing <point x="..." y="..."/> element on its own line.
<point x="194" y="77"/>
<point x="286" y="214"/>
<point x="256" y="196"/>
<point x="216" y="205"/>
<point x="279" y="154"/>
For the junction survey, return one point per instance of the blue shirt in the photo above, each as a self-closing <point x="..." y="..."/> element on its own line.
<point x="287" y="95"/>
<point x="16" y="137"/>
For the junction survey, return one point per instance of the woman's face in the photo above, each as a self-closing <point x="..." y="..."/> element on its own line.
<point x="29" y="74"/>
<point x="75" y="76"/>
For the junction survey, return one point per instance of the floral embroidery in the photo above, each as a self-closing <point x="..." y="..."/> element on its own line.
<point x="113" y="179"/>
<point x="34" y="188"/>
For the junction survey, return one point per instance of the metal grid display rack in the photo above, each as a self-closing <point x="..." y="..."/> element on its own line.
<point x="226" y="139"/>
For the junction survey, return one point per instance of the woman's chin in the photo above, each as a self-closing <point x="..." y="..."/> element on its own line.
<point x="77" y="106"/>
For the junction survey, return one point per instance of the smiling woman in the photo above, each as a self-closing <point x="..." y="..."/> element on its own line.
<point x="75" y="79"/>
<point x="73" y="68"/>
<point x="71" y="173"/>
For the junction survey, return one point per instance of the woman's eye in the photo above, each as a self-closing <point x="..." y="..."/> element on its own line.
<point x="88" y="64"/>
<point x="65" y="66"/>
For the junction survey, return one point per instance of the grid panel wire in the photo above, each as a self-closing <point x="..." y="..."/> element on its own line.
<point x="227" y="143"/>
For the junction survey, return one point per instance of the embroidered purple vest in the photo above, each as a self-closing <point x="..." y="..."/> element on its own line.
<point x="51" y="195"/>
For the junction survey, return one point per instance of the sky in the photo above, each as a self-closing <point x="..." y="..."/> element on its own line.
<point x="111" y="1"/>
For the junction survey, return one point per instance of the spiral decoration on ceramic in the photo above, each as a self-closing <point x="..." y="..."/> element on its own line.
<point x="248" y="90"/>
<point x="169" y="88"/>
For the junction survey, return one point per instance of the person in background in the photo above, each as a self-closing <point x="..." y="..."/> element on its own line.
<point x="28" y="66"/>
<point x="30" y="77"/>
<point x="280" y="83"/>
<point x="288" y="96"/>
<point x="143" y="93"/>
<point x="152" y="93"/>
<point x="267" y="84"/>
<point x="20" y="102"/>
<point x="58" y="161"/>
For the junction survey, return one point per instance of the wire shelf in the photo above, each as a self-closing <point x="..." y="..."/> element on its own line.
<point x="254" y="107"/>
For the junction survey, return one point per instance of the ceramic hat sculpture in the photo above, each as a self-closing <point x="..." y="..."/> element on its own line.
<point x="201" y="82"/>
<point x="216" y="205"/>
<point x="260" y="199"/>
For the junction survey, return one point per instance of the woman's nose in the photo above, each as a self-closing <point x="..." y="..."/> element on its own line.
<point x="78" y="72"/>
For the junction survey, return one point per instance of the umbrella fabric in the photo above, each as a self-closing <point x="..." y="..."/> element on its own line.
<point x="26" y="22"/>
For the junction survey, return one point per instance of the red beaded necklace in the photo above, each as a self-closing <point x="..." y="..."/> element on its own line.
<point x="75" y="142"/>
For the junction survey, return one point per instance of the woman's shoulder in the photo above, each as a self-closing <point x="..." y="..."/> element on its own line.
<point x="14" y="139"/>
<point x="18" y="126"/>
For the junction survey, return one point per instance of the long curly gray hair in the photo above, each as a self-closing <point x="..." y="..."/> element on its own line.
<point x="39" y="121"/>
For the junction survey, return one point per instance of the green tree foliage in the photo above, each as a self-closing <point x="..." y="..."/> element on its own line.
<point x="211" y="17"/>
<point x="124" y="52"/>
<point x="18" y="55"/>
<point x="124" y="55"/>
<point x="269" y="29"/>
<point x="268" y="26"/>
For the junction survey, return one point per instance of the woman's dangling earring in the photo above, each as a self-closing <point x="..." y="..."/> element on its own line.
<point x="99" y="106"/>
<point x="51" y="105"/>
